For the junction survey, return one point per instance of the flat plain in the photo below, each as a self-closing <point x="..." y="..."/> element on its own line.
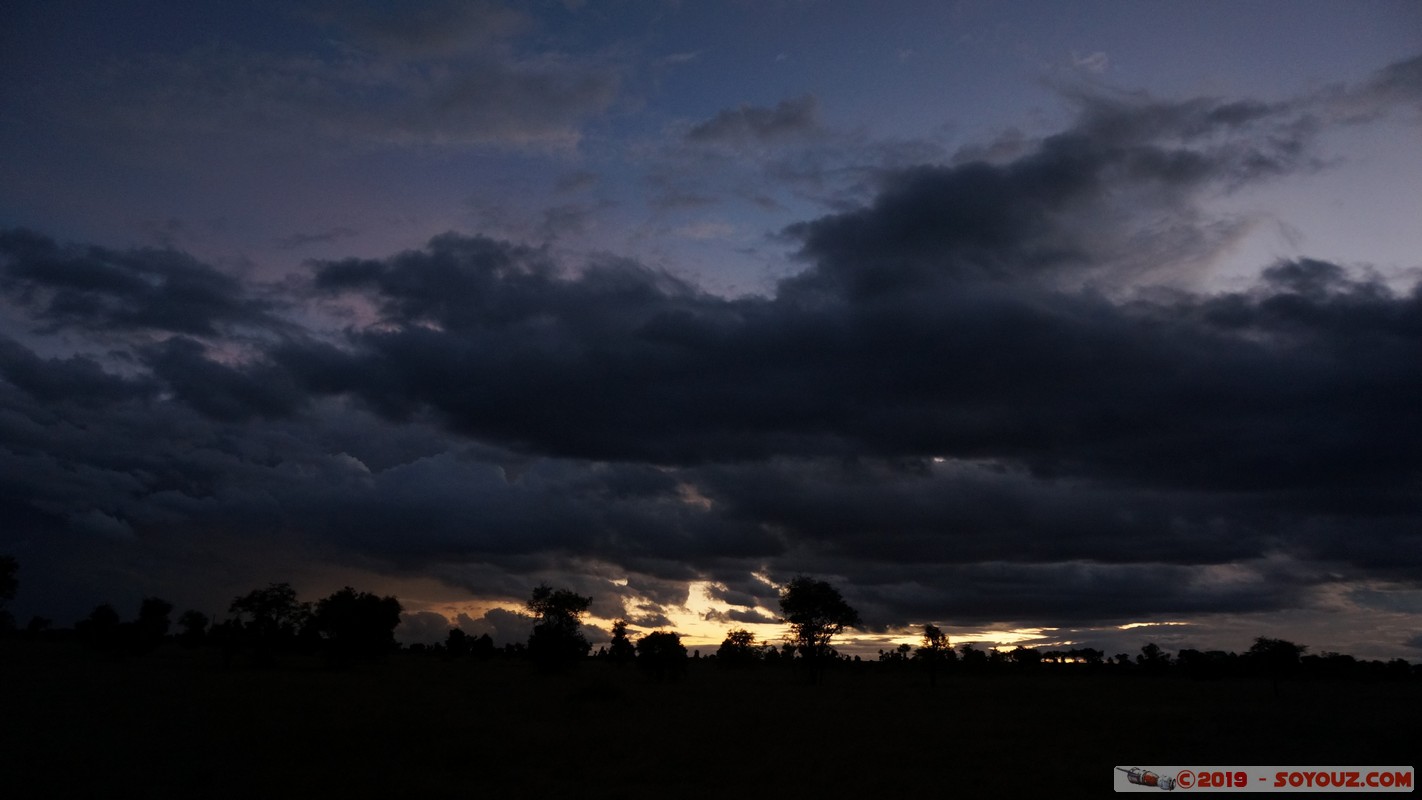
<point x="180" y="723"/>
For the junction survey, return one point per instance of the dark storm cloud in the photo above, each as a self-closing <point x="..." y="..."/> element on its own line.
<point x="1078" y="206"/>
<point x="1056" y="594"/>
<point x="203" y="477"/>
<point x="504" y="627"/>
<point x="738" y="616"/>
<point x="790" y="119"/>
<point x="100" y="289"/>
<point x="422" y="627"/>
<point x="1063" y="383"/>
<point x="220" y="391"/>
<point x="963" y="405"/>
<point x="74" y="379"/>
<point x="959" y="513"/>
<point x="956" y="317"/>
<point x="127" y="497"/>
<point x="944" y="319"/>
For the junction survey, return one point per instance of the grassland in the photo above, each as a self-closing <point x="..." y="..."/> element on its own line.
<point x="178" y="723"/>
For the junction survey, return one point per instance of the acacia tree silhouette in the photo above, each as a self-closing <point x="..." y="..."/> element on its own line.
<point x="556" y="641"/>
<point x="817" y="613"/>
<point x="935" y="651"/>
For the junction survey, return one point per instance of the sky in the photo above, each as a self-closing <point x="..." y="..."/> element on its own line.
<point x="1055" y="324"/>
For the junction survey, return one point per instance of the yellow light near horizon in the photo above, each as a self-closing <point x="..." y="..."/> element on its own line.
<point x="696" y="630"/>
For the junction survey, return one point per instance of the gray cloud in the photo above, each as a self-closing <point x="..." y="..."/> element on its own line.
<point x="503" y="626"/>
<point x="98" y="289"/>
<point x="789" y="120"/>
<point x="297" y="240"/>
<point x="422" y="627"/>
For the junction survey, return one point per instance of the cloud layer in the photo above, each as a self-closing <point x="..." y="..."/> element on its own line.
<point x="992" y="394"/>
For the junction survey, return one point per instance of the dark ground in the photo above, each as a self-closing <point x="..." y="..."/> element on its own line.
<point x="176" y="723"/>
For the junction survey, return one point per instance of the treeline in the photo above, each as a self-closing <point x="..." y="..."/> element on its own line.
<point x="1271" y="658"/>
<point x="350" y="626"/>
<point x="346" y="626"/>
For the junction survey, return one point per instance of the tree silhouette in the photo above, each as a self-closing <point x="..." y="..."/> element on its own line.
<point x="816" y="613"/>
<point x="1087" y="655"/>
<point x="738" y="649"/>
<point x="621" y="650"/>
<point x="356" y="625"/>
<point x="935" y="651"/>
<point x="1276" y="658"/>
<point x="1025" y="657"/>
<point x="1152" y="658"/>
<point x="556" y="641"/>
<point x="662" y="655"/>
<point x="457" y="643"/>
<point x="270" y="618"/>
